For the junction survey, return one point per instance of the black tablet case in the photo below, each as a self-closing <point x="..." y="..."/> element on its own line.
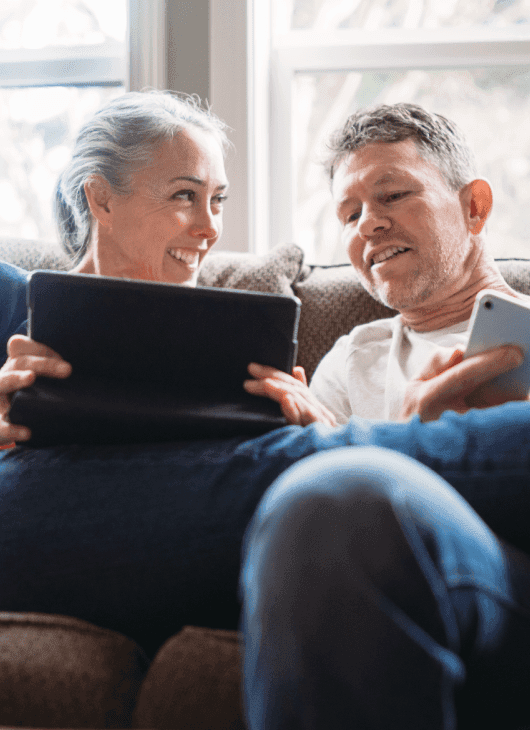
<point x="151" y="362"/>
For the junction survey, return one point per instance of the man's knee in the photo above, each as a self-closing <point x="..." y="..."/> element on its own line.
<point x="328" y="511"/>
<point x="346" y="479"/>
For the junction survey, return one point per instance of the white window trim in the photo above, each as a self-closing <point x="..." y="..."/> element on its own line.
<point x="239" y="94"/>
<point x="146" y="45"/>
<point x="346" y="50"/>
<point x="63" y="65"/>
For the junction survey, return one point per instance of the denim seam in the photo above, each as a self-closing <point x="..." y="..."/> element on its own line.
<point x="491" y="593"/>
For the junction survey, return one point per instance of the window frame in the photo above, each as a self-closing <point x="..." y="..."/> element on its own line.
<point x="354" y="51"/>
<point x="138" y="63"/>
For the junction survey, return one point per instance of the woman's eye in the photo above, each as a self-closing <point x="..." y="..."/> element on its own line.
<point x="219" y="199"/>
<point x="184" y="195"/>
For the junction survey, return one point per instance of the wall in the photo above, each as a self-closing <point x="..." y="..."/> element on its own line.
<point x="207" y="55"/>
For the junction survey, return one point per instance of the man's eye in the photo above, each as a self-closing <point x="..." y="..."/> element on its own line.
<point x="353" y="217"/>
<point x="395" y="196"/>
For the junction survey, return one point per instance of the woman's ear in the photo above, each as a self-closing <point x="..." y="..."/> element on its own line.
<point x="478" y="201"/>
<point x="98" y="194"/>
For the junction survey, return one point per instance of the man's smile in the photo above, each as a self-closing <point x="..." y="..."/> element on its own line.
<point x="388" y="253"/>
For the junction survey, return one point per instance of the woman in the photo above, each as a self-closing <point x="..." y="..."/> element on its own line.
<point x="142" y="198"/>
<point x="140" y="539"/>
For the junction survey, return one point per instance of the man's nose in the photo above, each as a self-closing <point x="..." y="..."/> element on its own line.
<point x="372" y="221"/>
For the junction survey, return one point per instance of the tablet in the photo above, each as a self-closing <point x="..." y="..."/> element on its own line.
<point x="152" y="362"/>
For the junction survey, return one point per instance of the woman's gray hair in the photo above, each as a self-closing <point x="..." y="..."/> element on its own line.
<point x="119" y="139"/>
<point x="437" y="139"/>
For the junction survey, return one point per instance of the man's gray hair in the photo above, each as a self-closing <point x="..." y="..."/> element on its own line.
<point x="119" y="139"/>
<point x="438" y="139"/>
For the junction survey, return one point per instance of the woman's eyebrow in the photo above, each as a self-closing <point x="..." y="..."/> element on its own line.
<point x="197" y="180"/>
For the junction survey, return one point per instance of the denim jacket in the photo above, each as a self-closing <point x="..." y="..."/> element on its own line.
<point x="13" y="309"/>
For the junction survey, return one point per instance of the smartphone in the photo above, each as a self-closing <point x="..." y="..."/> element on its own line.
<point x="499" y="319"/>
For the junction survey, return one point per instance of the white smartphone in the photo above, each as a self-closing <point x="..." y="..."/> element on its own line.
<point x="498" y="319"/>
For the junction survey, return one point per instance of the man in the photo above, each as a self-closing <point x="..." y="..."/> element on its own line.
<point x="412" y="212"/>
<point x="375" y="597"/>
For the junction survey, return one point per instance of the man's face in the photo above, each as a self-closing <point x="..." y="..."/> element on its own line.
<point x="405" y="231"/>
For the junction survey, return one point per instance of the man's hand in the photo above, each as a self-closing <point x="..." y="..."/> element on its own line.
<point x="298" y="404"/>
<point x="450" y="383"/>
<point x="26" y="359"/>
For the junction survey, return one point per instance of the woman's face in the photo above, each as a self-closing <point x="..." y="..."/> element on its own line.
<point x="165" y="227"/>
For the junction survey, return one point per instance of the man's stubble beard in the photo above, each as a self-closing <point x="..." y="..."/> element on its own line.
<point x="418" y="288"/>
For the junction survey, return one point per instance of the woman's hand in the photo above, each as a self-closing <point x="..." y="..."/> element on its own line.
<point x="450" y="383"/>
<point x="298" y="404"/>
<point x="26" y="359"/>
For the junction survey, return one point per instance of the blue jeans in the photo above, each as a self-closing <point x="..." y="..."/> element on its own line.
<point x="374" y="597"/>
<point x="144" y="540"/>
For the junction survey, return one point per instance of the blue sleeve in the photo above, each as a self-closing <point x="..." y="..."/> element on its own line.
<point x="13" y="308"/>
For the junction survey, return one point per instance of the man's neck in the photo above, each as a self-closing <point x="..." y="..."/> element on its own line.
<point x="457" y="306"/>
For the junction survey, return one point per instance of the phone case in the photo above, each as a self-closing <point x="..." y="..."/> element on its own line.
<point x="498" y="319"/>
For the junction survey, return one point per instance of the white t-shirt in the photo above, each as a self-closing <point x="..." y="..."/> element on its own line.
<point x="366" y="372"/>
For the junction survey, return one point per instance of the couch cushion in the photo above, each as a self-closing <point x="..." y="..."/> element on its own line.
<point x="333" y="302"/>
<point x="31" y="255"/>
<point x="516" y="272"/>
<point x="193" y="682"/>
<point x="57" y="672"/>
<point x="275" y="272"/>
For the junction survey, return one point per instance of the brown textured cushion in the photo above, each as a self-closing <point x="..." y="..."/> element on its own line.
<point x="274" y="272"/>
<point x="60" y="672"/>
<point x="193" y="682"/>
<point x="516" y="272"/>
<point x="333" y="302"/>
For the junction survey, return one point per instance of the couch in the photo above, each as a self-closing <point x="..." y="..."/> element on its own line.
<point x="58" y="671"/>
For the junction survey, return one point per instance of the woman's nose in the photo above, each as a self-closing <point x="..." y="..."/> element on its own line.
<point x="205" y="225"/>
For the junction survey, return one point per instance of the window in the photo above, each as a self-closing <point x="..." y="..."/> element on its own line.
<point x="60" y="60"/>
<point x="466" y="59"/>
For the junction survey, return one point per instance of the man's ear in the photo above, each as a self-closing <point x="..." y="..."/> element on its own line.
<point x="98" y="194"/>
<point x="478" y="202"/>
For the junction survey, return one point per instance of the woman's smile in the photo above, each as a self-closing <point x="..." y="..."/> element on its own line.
<point x="185" y="256"/>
